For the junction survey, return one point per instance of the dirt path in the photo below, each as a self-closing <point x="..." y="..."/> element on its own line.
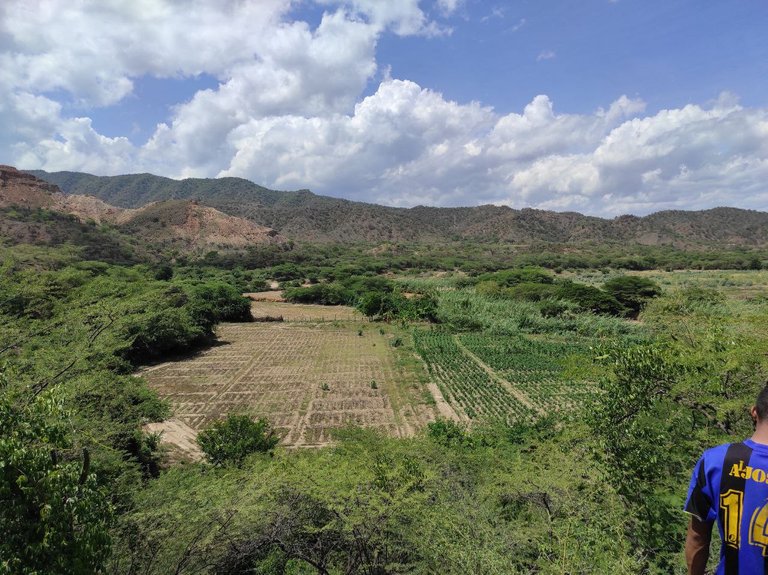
<point x="179" y="436"/>
<point x="514" y="391"/>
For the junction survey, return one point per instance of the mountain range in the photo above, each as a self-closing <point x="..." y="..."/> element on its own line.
<point x="161" y="207"/>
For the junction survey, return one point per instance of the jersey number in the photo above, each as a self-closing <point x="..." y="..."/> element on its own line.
<point x="732" y="504"/>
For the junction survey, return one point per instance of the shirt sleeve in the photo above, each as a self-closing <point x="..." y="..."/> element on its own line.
<point x="699" y="501"/>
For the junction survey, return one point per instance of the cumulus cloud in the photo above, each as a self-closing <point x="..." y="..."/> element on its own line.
<point x="406" y="145"/>
<point x="288" y="113"/>
<point x="92" y="49"/>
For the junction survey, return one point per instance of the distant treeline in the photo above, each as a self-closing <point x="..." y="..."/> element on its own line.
<point x="327" y="260"/>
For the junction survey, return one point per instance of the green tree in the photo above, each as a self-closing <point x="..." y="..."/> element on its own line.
<point x="632" y="292"/>
<point x="231" y="440"/>
<point x="54" y="518"/>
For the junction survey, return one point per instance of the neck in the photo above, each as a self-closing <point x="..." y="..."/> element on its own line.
<point x="761" y="433"/>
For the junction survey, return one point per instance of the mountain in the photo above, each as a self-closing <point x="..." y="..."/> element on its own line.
<point x="25" y="190"/>
<point x="304" y="216"/>
<point x="195" y="226"/>
<point x="185" y="225"/>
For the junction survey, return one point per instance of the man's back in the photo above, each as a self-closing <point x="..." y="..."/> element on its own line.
<point x="730" y="485"/>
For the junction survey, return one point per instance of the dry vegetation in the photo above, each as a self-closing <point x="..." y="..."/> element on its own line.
<point x="294" y="312"/>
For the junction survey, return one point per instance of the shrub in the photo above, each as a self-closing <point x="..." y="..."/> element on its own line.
<point x="591" y="299"/>
<point x="513" y="277"/>
<point x="532" y="291"/>
<point x="230" y="441"/>
<point x="554" y="308"/>
<point x="449" y="433"/>
<point x="632" y="292"/>
<point x="381" y="305"/>
<point x="322" y="294"/>
<point x="216" y="301"/>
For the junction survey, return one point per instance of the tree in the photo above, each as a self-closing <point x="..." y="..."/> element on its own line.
<point x="53" y="516"/>
<point x="590" y="298"/>
<point x="632" y="292"/>
<point x="231" y="440"/>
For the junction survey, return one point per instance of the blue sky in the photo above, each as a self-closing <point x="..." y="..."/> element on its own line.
<point x="670" y="53"/>
<point x="598" y="106"/>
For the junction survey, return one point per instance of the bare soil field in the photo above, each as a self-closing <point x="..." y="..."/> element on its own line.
<point x="305" y="312"/>
<point x="271" y="295"/>
<point x="306" y="379"/>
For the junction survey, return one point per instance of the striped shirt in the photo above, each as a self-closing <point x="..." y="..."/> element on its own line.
<point x="730" y="485"/>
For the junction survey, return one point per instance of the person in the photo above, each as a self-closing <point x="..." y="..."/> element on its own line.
<point x="729" y="486"/>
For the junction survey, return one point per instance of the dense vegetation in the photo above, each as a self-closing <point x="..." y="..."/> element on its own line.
<point x="72" y="453"/>
<point x="588" y="478"/>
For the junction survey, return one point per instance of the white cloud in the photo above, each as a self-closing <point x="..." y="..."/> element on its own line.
<point x="92" y="48"/>
<point x="448" y="7"/>
<point x="522" y="22"/>
<point x="403" y="17"/>
<point x="546" y="55"/>
<point x="288" y="113"/>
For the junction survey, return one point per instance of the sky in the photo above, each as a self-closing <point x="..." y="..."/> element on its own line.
<point x="604" y="107"/>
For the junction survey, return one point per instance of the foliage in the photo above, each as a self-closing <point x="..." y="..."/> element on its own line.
<point x="666" y="401"/>
<point x="54" y="516"/>
<point x="378" y="505"/>
<point x="523" y="275"/>
<point x="322" y="294"/>
<point x="466" y="310"/>
<point x="70" y="431"/>
<point x="449" y="433"/>
<point x="632" y="292"/>
<point x="591" y="299"/>
<point x="231" y="440"/>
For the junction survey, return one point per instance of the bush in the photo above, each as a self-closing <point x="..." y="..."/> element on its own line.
<point x="218" y="301"/>
<point x="230" y="441"/>
<point x="532" y="291"/>
<point x="632" y="292"/>
<point x="509" y="278"/>
<point x="449" y="433"/>
<point x="381" y="305"/>
<point x="322" y="294"/>
<point x="591" y="299"/>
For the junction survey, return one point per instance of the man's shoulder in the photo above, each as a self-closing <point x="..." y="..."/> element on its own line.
<point x="715" y="455"/>
<point x="721" y="449"/>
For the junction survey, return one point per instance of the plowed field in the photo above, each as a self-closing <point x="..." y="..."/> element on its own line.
<point x="307" y="379"/>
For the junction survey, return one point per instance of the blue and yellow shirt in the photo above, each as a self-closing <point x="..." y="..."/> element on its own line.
<point x="730" y="485"/>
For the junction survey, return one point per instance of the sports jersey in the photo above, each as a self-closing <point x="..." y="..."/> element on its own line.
<point x="730" y="485"/>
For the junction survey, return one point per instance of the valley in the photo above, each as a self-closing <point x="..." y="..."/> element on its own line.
<point x="216" y="393"/>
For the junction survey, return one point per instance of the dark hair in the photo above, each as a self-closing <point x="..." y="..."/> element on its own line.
<point x="761" y="403"/>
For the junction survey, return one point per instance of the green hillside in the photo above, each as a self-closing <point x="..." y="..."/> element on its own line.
<point x="304" y="216"/>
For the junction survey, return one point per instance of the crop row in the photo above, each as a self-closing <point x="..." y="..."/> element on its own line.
<point x="535" y="367"/>
<point x="464" y="383"/>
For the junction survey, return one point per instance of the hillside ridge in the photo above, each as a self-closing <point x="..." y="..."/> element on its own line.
<point x="304" y="216"/>
<point x="184" y="223"/>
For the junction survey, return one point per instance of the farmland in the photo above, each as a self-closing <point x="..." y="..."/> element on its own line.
<point x="303" y="312"/>
<point x="306" y="379"/>
<point x="507" y="416"/>
<point x="537" y="367"/>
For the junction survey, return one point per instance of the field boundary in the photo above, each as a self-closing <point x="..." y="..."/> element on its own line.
<point x="512" y="389"/>
<point x="442" y="405"/>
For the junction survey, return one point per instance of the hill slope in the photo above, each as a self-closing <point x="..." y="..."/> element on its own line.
<point x="305" y="216"/>
<point x="184" y="224"/>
